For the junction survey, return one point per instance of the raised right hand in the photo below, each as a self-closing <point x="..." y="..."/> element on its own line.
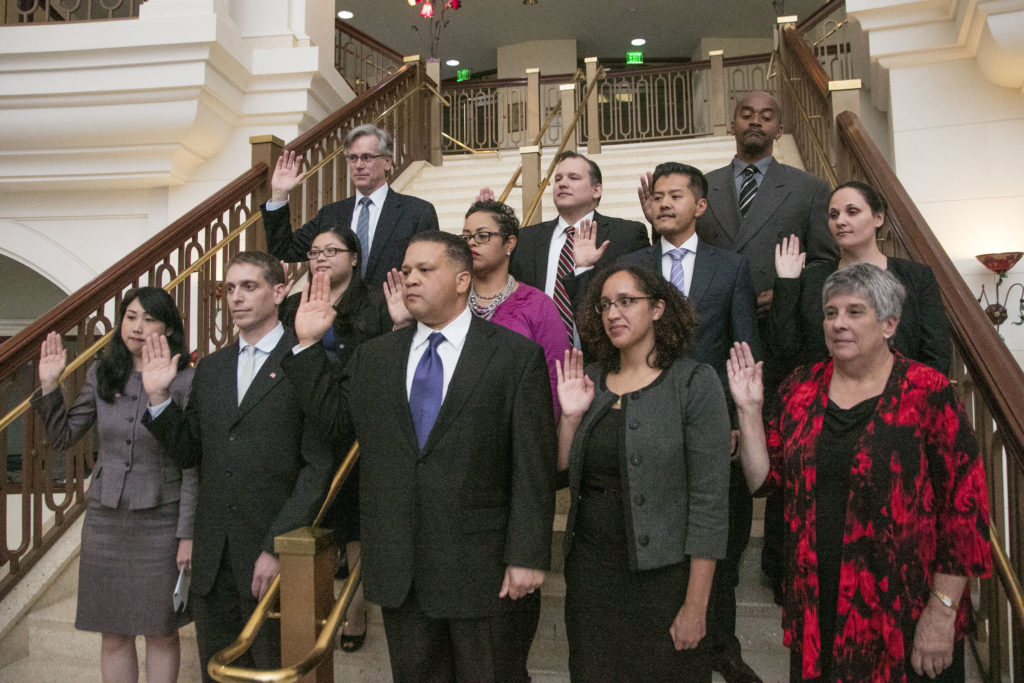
<point x="575" y="389"/>
<point x="286" y="176"/>
<point x="745" y="382"/>
<point x="159" y="368"/>
<point x="53" y="358"/>
<point x="486" y="194"/>
<point x="644" y="193"/>
<point x="316" y="311"/>
<point x="394" y="293"/>
<point x="789" y="260"/>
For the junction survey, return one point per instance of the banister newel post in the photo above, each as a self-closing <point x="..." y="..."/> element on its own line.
<point x="434" y="111"/>
<point x="531" y="180"/>
<point x="533" y="106"/>
<point x="265" y="150"/>
<point x="593" y="123"/>
<point x="717" y="93"/>
<point x="306" y="559"/>
<point x="843" y="96"/>
<point x="568" y="95"/>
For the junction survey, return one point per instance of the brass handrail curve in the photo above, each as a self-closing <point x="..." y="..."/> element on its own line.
<point x="557" y="109"/>
<point x="566" y="132"/>
<point x="1004" y="570"/>
<point x="466" y="147"/>
<point x="819" y="147"/>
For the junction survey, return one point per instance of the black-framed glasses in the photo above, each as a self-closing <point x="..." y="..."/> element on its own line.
<point x="480" y="237"/>
<point x="314" y="253"/>
<point x="623" y="303"/>
<point x="365" y="158"/>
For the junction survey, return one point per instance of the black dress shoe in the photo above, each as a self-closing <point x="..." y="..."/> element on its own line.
<point x="735" y="670"/>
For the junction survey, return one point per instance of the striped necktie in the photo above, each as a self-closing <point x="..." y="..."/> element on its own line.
<point x="748" y="189"/>
<point x="363" y="231"/>
<point x="677" y="277"/>
<point x="566" y="265"/>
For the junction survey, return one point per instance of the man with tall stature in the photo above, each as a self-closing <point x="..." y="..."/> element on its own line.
<point x="560" y="255"/>
<point x="263" y="468"/>
<point x="718" y="283"/>
<point x="457" y="482"/>
<point x="381" y="218"/>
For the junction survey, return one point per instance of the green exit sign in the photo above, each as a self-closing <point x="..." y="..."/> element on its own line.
<point x="462" y="75"/>
<point x="635" y="57"/>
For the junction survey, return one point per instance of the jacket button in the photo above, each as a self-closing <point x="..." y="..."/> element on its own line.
<point x="644" y="541"/>
<point x="128" y="442"/>
<point x="639" y="499"/>
<point x="131" y="419"/>
<point x="231" y="437"/>
<point x="636" y="459"/>
<point x="634" y="424"/>
<point x="227" y="473"/>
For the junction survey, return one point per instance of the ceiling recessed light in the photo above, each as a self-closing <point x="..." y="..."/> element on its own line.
<point x="345" y="14"/>
<point x="452" y="62"/>
<point x="638" y="42"/>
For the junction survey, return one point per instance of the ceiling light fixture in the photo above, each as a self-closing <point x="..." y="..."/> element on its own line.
<point x="345" y="14"/>
<point x="529" y="2"/>
<point x="638" y="42"/>
<point x="452" y="62"/>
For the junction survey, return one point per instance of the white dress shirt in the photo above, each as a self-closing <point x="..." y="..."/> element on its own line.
<point x="689" y="260"/>
<point x="449" y="350"/>
<point x="377" y="197"/>
<point x="555" y="250"/>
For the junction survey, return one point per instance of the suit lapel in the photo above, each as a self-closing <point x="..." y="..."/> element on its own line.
<point x="541" y="262"/>
<point x="390" y="216"/>
<point x="395" y="365"/>
<point x="773" y="191"/>
<point x="268" y="377"/>
<point x="723" y="203"/>
<point x="703" y="271"/>
<point x="476" y="354"/>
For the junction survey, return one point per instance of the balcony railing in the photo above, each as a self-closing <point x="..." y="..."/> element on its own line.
<point x="42" y="11"/>
<point x="360" y="59"/>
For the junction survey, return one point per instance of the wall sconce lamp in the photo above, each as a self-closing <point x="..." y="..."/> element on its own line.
<point x="1000" y="264"/>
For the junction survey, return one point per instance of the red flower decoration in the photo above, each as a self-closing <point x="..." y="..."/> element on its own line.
<point x="427" y="11"/>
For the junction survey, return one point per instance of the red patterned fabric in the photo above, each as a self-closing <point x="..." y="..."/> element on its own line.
<point x="918" y="505"/>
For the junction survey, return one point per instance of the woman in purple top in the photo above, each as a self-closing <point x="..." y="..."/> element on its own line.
<point x="491" y="229"/>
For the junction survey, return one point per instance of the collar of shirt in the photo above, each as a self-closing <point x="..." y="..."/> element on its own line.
<point x="267" y="343"/>
<point x="690" y="245"/>
<point x="739" y="166"/>
<point x="562" y="224"/>
<point x="689" y="259"/>
<point x="377" y="196"/>
<point x="449" y="350"/>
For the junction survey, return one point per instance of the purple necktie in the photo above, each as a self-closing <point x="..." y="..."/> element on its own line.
<point x="427" y="390"/>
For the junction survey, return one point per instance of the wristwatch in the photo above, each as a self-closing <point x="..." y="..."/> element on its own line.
<point x="944" y="599"/>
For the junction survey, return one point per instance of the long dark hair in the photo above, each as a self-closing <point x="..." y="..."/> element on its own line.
<point x="115" y="364"/>
<point x="673" y="332"/>
<point x="352" y="300"/>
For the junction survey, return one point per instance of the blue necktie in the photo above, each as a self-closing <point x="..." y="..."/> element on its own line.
<point x="427" y="390"/>
<point x="677" y="276"/>
<point x="363" y="231"/>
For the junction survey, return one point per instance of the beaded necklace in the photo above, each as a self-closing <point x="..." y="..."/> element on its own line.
<point x="487" y="311"/>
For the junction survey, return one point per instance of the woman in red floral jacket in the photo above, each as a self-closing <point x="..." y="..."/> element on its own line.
<point x="885" y="500"/>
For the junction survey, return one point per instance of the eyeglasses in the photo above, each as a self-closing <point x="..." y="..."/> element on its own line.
<point x="326" y="251"/>
<point x="623" y="303"/>
<point x="481" y="237"/>
<point x="365" y="158"/>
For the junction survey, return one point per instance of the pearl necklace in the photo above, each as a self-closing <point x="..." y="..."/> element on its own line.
<point x="487" y="311"/>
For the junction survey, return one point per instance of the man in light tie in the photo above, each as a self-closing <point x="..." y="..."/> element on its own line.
<point x="382" y="219"/>
<point x="719" y="284"/>
<point x="263" y="468"/>
<point x="456" y="435"/>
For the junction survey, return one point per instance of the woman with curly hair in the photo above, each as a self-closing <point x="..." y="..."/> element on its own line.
<point x="645" y="438"/>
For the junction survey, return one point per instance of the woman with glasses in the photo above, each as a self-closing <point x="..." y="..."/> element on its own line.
<point x="362" y="315"/>
<point x="644" y="436"/>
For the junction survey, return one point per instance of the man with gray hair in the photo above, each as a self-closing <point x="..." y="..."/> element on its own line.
<point x="381" y="218"/>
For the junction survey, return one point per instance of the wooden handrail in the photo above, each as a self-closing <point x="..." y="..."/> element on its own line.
<point x="366" y="38"/>
<point x="24" y="346"/>
<point x="818" y="15"/>
<point x="799" y="48"/>
<point x="998" y="376"/>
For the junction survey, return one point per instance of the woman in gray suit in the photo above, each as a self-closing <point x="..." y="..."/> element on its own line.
<point x="138" y="524"/>
<point x="644" y="435"/>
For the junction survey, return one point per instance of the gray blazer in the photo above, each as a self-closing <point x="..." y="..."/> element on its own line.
<point x="675" y="472"/>
<point x="131" y="463"/>
<point x="789" y="201"/>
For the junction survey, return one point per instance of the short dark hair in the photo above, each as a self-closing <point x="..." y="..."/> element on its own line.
<point x="456" y="248"/>
<point x="595" y="170"/>
<point x="273" y="273"/>
<point x="673" y="332"/>
<point x="874" y="200"/>
<point x="698" y="183"/>
<point x="504" y="215"/>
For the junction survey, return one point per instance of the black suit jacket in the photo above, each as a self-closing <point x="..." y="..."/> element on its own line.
<point x="263" y="467"/>
<point x="479" y="497"/>
<point x="723" y="293"/>
<point x="401" y="217"/>
<point x="788" y="202"/>
<point x="530" y="259"/>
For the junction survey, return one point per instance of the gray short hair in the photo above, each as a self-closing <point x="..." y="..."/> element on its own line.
<point x="385" y="143"/>
<point x="878" y="287"/>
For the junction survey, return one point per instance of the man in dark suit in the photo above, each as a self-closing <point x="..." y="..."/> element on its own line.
<point x="458" y="487"/>
<point x="263" y="468"/>
<point x="581" y="238"/>
<point x="718" y="283"/>
<point x="382" y="219"/>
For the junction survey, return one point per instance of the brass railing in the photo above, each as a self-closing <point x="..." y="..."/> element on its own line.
<point x="43" y="11"/>
<point x="188" y="259"/>
<point x="360" y="59"/>
<point x="828" y="33"/>
<point x="989" y="380"/>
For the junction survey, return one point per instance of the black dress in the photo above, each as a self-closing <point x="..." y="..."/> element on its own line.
<point x="617" y="620"/>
